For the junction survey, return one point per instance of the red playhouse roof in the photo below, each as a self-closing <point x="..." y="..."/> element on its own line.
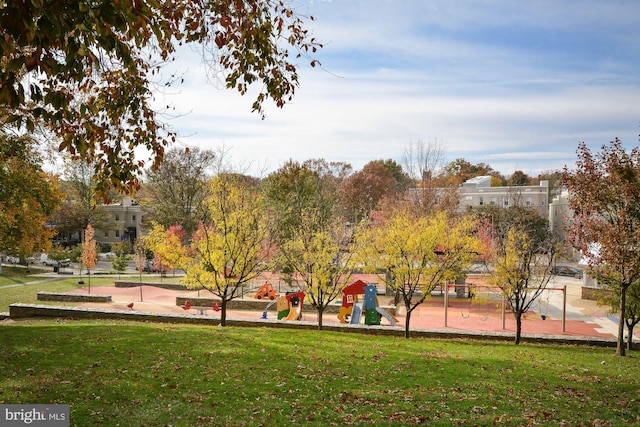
<point x="356" y="288"/>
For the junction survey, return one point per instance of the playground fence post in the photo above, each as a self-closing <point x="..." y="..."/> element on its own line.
<point x="564" y="308"/>
<point x="446" y="303"/>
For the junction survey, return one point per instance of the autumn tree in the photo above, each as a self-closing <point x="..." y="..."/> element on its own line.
<point x="89" y="252"/>
<point x="521" y="265"/>
<point x="461" y="170"/>
<point x="518" y="178"/>
<point x="320" y="259"/>
<point x="296" y="188"/>
<point x="28" y="197"/>
<point x="87" y="71"/>
<point x="361" y="192"/>
<point x="230" y="248"/>
<point x="417" y="254"/>
<point x="174" y="193"/>
<point x="80" y="205"/>
<point x="609" y="297"/>
<point x="604" y="194"/>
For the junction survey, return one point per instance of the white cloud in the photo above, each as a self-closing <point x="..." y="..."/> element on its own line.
<point x="402" y="71"/>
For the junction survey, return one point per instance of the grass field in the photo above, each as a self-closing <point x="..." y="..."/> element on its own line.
<point x="143" y="374"/>
<point x="135" y="374"/>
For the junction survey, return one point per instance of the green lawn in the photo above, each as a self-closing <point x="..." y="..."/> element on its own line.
<point x="144" y="374"/>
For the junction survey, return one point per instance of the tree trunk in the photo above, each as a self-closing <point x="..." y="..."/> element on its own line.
<point x="630" y="337"/>
<point x="406" y="324"/>
<point x="223" y="313"/>
<point x="518" y="317"/>
<point x="320" y="313"/>
<point x="621" y="345"/>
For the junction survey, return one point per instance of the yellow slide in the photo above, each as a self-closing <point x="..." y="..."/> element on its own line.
<point x="294" y="314"/>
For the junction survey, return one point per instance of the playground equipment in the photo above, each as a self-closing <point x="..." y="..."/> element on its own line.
<point x="266" y="291"/>
<point x="289" y="306"/>
<point x="189" y="305"/>
<point x="352" y="310"/>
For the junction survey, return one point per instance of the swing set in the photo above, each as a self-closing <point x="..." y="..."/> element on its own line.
<point x="472" y="290"/>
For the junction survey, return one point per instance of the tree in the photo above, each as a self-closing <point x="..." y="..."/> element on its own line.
<point x="320" y="258"/>
<point x="139" y="256"/>
<point x="174" y="193"/>
<point x="86" y="70"/>
<point x="604" y="194"/>
<point x="80" y="205"/>
<point x="609" y="297"/>
<point x="423" y="163"/>
<point x="361" y="192"/>
<point x="89" y="252"/>
<point x="119" y="263"/>
<point x="417" y="254"/>
<point x="231" y="246"/>
<point x="461" y="170"/>
<point x="28" y="196"/>
<point x="296" y="188"/>
<point x="518" y="178"/>
<point x="522" y="266"/>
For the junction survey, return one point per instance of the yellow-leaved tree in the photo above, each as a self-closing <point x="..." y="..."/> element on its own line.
<point x="412" y="255"/>
<point x="320" y="258"/>
<point x="230" y="247"/>
<point x="522" y="266"/>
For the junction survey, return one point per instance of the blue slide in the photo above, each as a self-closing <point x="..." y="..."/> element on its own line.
<point x="356" y="313"/>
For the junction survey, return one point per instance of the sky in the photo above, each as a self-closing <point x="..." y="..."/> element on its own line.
<point x="513" y="84"/>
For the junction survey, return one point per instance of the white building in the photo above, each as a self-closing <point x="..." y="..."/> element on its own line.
<point x="478" y="192"/>
<point x="125" y="220"/>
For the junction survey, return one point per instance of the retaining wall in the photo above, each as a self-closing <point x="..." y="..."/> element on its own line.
<point x="21" y="310"/>
<point x="259" y="304"/>
<point x="133" y="284"/>
<point x="72" y="297"/>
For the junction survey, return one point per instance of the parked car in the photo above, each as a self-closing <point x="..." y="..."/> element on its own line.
<point x="12" y="260"/>
<point x="566" y="270"/>
<point x="150" y="267"/>
<point x="55" y="263"/>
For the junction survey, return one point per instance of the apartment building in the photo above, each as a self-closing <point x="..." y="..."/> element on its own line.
<point x="478" y="192"/>
<point x="124" y="219"/>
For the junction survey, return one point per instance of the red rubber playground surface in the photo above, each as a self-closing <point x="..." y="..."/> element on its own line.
<point x="583" y="318"/>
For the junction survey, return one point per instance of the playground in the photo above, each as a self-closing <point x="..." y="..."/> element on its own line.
<point x="559" y="311"/>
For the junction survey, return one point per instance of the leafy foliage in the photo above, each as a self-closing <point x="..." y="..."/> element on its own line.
<point x="417" y="254"/>
<point x="230" y="248"/>
<point x="86" y="69"/>
<point x="174" y="193"/>
<point x="605" y="196"/>
<point x="297" y="188"/>
<point x="27" y="197"/>
<point x="320" y="259"/>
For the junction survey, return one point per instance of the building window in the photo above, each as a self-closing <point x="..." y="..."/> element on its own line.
<point x="505" y="202"/>
<point x="492" y="201"/>
<point x="133" y="218"/>
<point x="117" y="217"/>
<point x="117" y="233"/>
<point x="481" y="201"/>
<point x="106" y="234"/>
<point x="528" y="201"/>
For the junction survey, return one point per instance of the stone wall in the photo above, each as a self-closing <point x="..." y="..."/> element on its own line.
<point x="259" y="305"/>
<point x="72" y="297"/>
<point x="133" y="284"/>
<point x="20" y="310"/>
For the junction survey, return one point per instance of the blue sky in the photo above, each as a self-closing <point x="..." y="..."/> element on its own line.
<point x="514" y="84"/>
